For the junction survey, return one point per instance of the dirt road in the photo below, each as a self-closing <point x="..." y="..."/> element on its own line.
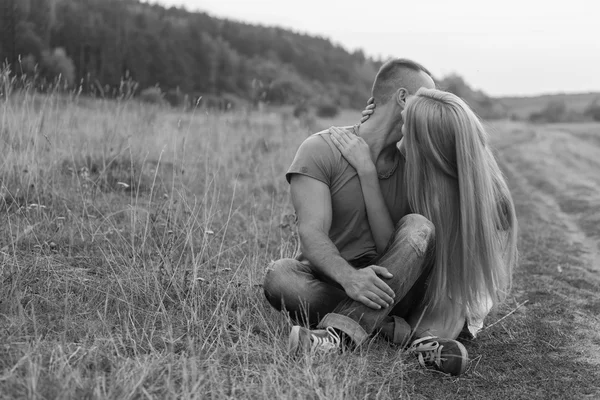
<point x="544" y="342"/>
<point x="554" y="172"/>
<point x="560" y="167"/>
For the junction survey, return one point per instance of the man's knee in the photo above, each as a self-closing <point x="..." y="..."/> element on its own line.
<point x="419" y="231"/>
<point x="278" y="277"/>
<point x="415" y="221"/>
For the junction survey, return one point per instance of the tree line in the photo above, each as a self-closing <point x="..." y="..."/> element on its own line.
<point x="125" y="47"/>
<point x="97" y="45"/>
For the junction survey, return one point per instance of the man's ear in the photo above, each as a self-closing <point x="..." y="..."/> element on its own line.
<point x="401" y="96"/>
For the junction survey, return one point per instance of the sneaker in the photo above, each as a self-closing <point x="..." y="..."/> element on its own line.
<point x="445" y="355"/>
<point x="320" y="340"/>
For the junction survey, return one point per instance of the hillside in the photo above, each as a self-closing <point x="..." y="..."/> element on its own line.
<point x="123" y="47"/>
<point x="96" y="43"/>
<point x="524" y="107"/>
<point x="114" y="48"/>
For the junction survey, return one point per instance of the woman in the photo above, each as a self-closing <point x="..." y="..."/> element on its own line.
<point x="453" y="180"/>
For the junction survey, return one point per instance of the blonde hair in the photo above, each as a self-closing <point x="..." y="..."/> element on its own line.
<point x="454" y="180"/>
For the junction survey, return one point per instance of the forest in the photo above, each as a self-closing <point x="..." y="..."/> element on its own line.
<point x="97" y="44"/>
<point x="113" y="48"/>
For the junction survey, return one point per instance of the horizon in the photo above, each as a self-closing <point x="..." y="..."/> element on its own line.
<point x="472" y="42"/>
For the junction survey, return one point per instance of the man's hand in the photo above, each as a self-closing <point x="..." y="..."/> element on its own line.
<point x="365" y="286"/>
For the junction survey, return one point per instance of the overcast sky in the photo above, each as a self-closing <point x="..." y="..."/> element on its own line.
<point x="504" y="47"/>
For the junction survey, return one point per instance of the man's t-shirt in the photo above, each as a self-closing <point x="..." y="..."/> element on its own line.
<point x="318" y="158"/>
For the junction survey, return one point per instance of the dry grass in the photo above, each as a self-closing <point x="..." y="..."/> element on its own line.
<point x="134" y="241"/>
<point x="133" y="245"/>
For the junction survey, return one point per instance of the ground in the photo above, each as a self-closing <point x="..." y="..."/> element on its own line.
<point x="134" y="241"/>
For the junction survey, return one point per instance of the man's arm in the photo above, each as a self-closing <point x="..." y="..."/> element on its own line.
<point x="312" y="202"/>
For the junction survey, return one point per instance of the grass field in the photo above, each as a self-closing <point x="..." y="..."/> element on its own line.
<point x="134" y="241"/>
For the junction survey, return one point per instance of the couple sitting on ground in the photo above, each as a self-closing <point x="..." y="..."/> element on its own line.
<point x="406" y="224"/>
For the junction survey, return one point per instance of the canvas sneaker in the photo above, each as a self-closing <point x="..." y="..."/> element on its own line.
<point x="314" y="341"/>
<point x="445" y="355"/>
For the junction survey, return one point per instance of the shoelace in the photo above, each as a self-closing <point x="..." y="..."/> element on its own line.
<point x="332" y="341"/>
<point x="428" y="352"/>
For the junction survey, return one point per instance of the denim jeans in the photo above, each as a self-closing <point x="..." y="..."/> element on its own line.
<point x="315" y="300"/>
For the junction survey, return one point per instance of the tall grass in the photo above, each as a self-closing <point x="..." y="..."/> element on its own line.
<point x="134" y="240"/>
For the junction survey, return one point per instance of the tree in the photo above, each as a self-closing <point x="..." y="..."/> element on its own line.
<point x="57" y="64"/>
<point x="593" y="110"/>
<point x="12" y="14"/>
<point x="42" y="16"/>
<point x="481" y="103"/>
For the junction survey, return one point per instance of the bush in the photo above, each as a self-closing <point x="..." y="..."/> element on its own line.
<point x="300" y="110"/>
<point x="555" y="111"/>
<point x="56" y="63"/>
<point x="287" y="89"/>
<point x="482" y="104"/>
<point x="152" y="95"/>
<point x="327" y="110"/>
<point x="28" y="65"/>
<point x="176" y="98"/>
<point x="223" y="102"/>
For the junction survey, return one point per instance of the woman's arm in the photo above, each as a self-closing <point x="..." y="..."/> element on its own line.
<point x="380" y="220"/>
<point x="356" y="151"/>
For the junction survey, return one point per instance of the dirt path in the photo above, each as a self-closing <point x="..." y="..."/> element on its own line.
<point x="544" y="341"/>
<point x="560" y="171"/>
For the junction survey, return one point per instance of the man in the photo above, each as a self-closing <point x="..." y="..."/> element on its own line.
<point x="340" y="282"/>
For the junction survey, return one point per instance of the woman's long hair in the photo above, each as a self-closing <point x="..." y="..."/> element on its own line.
<point x="453" y="179"/>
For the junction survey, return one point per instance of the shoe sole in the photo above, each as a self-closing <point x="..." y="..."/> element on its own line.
<point x="294" y="339"/>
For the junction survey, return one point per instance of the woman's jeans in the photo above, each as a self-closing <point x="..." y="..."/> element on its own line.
<point x="315" y="300"/>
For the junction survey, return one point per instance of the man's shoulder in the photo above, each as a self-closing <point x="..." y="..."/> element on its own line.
<point x="317" y="138"/>
<point x="318" y="144"/>
<point x="325" y="132"/>
<point x="317" y="157"/>
<point x="322" y="139"/>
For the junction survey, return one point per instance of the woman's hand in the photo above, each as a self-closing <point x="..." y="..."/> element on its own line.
<point x="354" y="149"/>
<point x="368" y="111"/>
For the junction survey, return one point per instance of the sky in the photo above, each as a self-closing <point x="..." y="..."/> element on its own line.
<point x="503" y="47"/>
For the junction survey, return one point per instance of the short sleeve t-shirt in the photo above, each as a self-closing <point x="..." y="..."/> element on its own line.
<point x="318" y="158"/>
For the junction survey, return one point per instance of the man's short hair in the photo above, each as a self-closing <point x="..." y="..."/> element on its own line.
<point x="397" y="73"/>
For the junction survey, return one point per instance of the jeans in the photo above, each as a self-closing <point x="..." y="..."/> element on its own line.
<point x="315" y="300"/>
